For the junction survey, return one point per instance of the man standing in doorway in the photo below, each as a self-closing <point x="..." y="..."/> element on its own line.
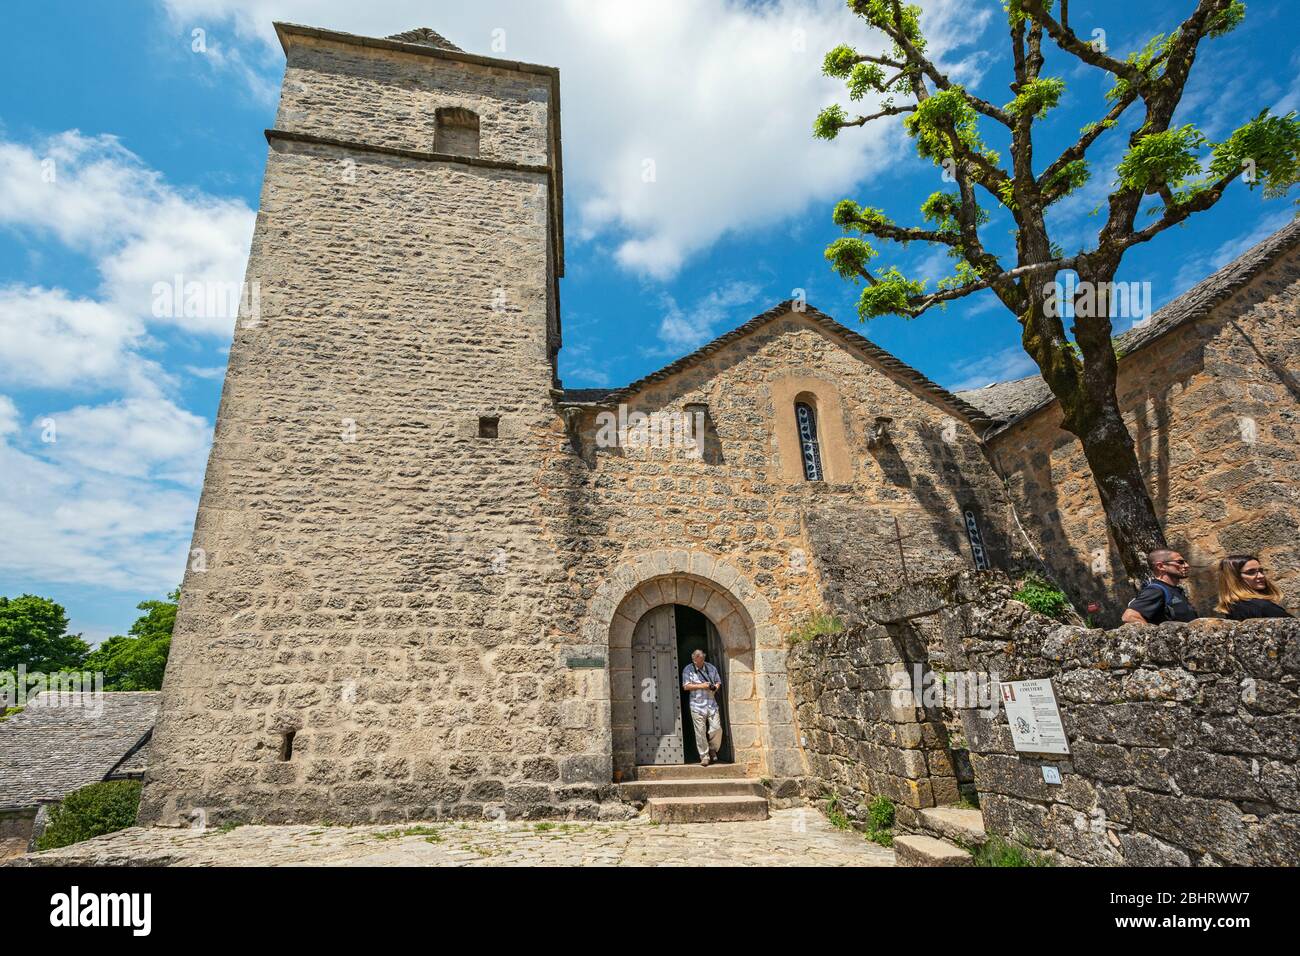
<point x="703" y="681"/>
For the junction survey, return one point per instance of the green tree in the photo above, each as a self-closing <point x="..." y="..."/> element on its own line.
<point x="34" y="634"/>
<point x="1177" y="167"/>
<point x="137" y="661"/>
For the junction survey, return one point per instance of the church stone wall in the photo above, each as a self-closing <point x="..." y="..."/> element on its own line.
<point x="802" y="546"/>
<point x="390" y="98"/>
<point x="364" y="629"/>
<point x="1214" y="409"/>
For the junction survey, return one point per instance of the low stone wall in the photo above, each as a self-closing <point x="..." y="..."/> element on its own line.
<point x="15" y="831"/>
<point x="1184" y="738"/>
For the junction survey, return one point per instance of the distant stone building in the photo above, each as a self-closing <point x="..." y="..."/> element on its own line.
<point x="62" y="741"/>
<point x="429" y="580"/>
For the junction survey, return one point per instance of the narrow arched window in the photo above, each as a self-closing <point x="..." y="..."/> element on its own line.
<point x="456" y="131"/>
<point x="806" y="419"/>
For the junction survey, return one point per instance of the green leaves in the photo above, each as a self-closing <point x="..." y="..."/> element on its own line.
<point x="850" y="216"/>
<point x="839" y="61"/>
<point x="889" y="296"/>
<point x="1228" y="20"/>
<point x="1037" y="97"/>
<point x="34" y="633"/>
<point x="933" y="117"/>
<point x="1159" y="159"/>
<point x="1267" y="147"/>
<point x="1073" y="175"/>
<point x="828" y="122"/>
<point x="849" y="256"/>
<point x="137" y="662"/>
<point x="865" y="78"/>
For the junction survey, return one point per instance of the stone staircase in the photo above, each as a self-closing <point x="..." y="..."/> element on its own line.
<point x="689" y="793"/>
<point x="946" y="833"/>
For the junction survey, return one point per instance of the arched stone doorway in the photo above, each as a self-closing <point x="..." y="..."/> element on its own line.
<point x="760" y="713"/>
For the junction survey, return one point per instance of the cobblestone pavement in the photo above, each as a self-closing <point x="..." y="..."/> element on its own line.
<point x="799" y="837"/>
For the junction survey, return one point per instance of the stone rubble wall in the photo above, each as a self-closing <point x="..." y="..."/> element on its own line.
<point x="1184" y="738"/>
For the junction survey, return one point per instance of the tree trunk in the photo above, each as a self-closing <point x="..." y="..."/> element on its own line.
<point x="1130" y="515"/>
<point x="1086" y="392"/>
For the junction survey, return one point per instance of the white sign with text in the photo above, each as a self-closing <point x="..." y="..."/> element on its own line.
<point x="1033" y="717"/>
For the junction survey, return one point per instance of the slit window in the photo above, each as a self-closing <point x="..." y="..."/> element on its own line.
<point x="456" y="131"/>
<point x="809" y="448"/>
<point x="286" y="745"/>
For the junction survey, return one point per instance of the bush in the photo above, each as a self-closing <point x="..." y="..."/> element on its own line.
<point x="998" y="852"/>
<point x="1042" y="597"/>
<point x="90" y="812"/>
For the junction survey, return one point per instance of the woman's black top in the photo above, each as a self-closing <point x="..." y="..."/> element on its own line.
<point x="1255" y="607"/>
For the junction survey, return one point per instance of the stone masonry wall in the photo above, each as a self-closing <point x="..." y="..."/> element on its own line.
<point x="799" y="545"/>
<point x="1184" y="739"/>
<point x="1214" y="409"/>
<point x="369" y="574"/>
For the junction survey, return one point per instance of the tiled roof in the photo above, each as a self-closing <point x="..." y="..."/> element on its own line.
<point x="426" y="37"/>
<point x="62" y="741"/>
<point x="880" y="356"/>
<point x="1010" y="401"/>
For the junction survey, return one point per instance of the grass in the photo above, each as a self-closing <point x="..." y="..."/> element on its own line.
<point x="433" y="834"/>
<point x="999" y="852"/>
<point x="835" y="814"/>
<point x="815" y="626"/>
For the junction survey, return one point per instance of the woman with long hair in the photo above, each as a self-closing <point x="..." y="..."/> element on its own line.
<point x="1245" y="590"/>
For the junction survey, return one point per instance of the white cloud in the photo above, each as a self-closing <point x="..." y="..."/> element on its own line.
<point x="683" y="330"/>
<point x="97" y="198"/>
<point x="719" y="96"/>
<point x="51" y="339"/>
<point x="1010" y="363"/>
<point x="104" y="493"/>
<point x="72" y="517"/>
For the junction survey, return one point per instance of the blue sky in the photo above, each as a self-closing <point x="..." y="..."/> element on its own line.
<point x="131" y="152"/>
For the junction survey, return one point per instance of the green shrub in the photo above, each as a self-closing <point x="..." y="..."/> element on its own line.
<point x="880" y="825"/>
<point x="999" y="852"/>
<point x="1042" y="597"/>
<point x="91" y="811"/>
<point x="817" y="625"/>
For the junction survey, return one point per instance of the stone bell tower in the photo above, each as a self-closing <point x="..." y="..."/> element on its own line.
<point x="360" y="621"/>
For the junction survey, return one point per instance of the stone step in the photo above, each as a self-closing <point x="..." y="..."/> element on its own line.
<point x="915" y="850"/>
<point x="696" y="787"/>
<point x="706" y="809"/>
<point x="958" y="824"/>
<point x="690" y="771"/>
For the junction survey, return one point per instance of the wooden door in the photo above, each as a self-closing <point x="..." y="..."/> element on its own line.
<point x="657" y="688"/>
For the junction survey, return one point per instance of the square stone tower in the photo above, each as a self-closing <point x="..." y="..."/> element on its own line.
<point x="359" y="636"/>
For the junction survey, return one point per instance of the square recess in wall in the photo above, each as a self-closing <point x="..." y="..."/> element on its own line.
<point x="488" y="426"/>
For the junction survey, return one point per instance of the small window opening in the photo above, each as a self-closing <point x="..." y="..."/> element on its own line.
<point x="456" y="131"/>
<point x="286" y="745"/>
<point x="488" y="426"/>
<point x="809" y="448"/>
